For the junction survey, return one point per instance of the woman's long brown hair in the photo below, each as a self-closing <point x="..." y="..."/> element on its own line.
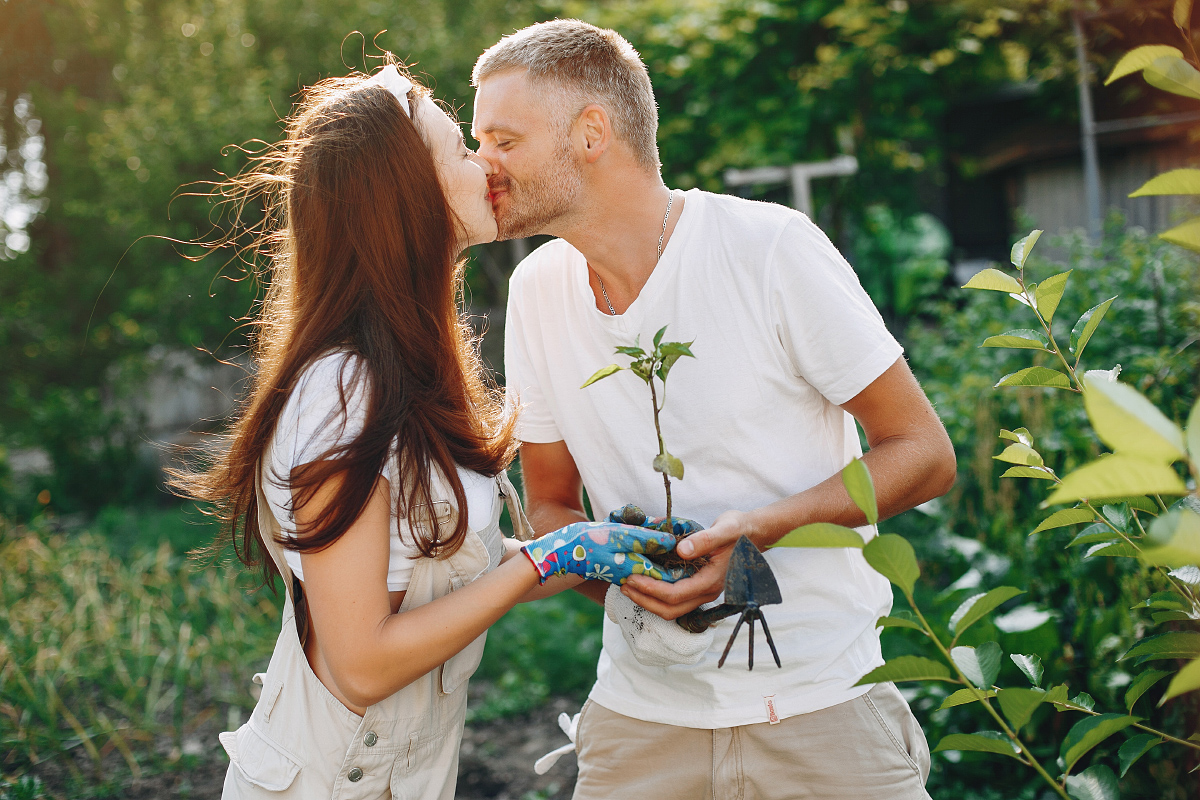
<point x="361" y="244"/>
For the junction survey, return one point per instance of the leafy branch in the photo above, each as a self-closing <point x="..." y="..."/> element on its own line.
<point x="656" y="364"/>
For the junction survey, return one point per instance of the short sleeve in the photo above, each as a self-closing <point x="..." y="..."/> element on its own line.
<point x="830" y="331"/>
<point x="523" y="391"/>
<point x="314" y="423"/>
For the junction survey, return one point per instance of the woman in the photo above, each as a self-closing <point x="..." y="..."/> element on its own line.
<point x="368" y="463"/>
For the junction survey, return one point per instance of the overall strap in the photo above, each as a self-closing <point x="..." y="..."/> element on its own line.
<point x="522" y="530"/>
<point x="269" y="532"/>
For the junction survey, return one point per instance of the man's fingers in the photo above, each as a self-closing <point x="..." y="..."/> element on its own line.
<point x="700" y="543"/>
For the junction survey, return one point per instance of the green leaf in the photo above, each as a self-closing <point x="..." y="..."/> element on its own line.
<point x="1177" y="181"/>
<point x="980" y="664"/>
<point x="1142" y="684"/>
<point x="1135" y="748"/>
<point x="1098" y="532"/>
<point x="976" y="608"/>
<point x="1173" y="74"/>
<point x="982" y="742"/>
<point x="1186" y="680"/>
<point x="1139" y="58"/>
<point x="821" y="534"/>
<point x="1089" y="732"/>
<point x="1112" y="550"/>
<point x="898" y="622"/>
<point x="602" y="373"/>
<point x="1030" y="666"/>
<point x="1169" y="616"/>
<point x="1129" y="423"/>
<point x="658" y="336"/>
<point x="1081" y="334"/>
<point x="993" y="280"/>
<point x="1020" y="250"/>
<point x="1020" y="339"/>
<point x="964" y="696"/>
<point x="1042" y="473"/>
<point x="1065" y="517"/>
<point x="1117" y="475"/>
<point x="857" y="479"/>
<point x="1049" y="293"/>
<point x="1021" y="435"/>
<point x="1058" y="696"/>
<point x="1176" y="644"/>
<point x="669" y="464"/>
<point x="1193" y="433"/>
<point x="907" y="668"/>
<point x="1020" y="454"/>
<point x="1036" y="376"/>
<point x="1165" y="599"/>
<point x="1018" y="705"/>
<point x="1186" y="235"/>
<point x="633" y="352"/>
<point x="1174" y="539"/>
<point x="677" y="349"/>
<point x="892" y="557"/>
<point x="1094" y="783"/>
<point x="1084" y="700"/>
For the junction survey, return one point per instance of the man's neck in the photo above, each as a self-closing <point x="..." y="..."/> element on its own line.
<point x="618" y="230"/>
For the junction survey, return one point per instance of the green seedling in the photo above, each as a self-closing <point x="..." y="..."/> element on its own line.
<point x="656" y="364"/>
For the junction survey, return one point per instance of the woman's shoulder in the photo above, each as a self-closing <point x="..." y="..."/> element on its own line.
<point x="326" y="407"/>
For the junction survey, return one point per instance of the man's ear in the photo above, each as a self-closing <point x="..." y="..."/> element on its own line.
<point x="596" y="130"/>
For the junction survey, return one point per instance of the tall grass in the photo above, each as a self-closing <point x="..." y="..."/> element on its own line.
<point x="104" y="656"/>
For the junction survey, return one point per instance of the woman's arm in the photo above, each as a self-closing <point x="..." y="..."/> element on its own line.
<point x="364" y="652"/>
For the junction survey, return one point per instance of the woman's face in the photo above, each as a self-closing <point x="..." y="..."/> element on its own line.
<point x="464" y="175"/>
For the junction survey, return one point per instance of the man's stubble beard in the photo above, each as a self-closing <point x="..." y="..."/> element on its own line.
<point x="537" y="202"/>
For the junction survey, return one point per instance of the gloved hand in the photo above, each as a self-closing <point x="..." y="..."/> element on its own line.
<point x="605" y="551"/>
<point x="632" y="515"/>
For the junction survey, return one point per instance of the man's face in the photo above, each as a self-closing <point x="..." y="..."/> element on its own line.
<point x="524" y="133"/>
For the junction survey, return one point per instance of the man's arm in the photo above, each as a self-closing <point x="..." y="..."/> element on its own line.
<point x="554" y="497"/>
<point x="911" y="460"/>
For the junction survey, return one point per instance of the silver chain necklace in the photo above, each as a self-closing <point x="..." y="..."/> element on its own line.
<point x="661" y="236"/>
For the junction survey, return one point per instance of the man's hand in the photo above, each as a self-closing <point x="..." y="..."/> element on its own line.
<point x="676" y="599"/>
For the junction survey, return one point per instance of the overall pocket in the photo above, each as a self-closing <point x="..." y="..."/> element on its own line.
<point x="260" y="761"/>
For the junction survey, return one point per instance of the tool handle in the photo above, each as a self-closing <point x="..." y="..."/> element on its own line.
<point x="700" y="620"/>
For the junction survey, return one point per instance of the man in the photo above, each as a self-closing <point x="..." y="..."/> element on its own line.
<point x="789" y="352"/>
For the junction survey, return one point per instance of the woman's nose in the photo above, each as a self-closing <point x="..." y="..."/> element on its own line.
<point x="483" y="163"/>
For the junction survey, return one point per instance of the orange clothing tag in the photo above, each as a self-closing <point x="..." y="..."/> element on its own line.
<point x="772" y="717"/>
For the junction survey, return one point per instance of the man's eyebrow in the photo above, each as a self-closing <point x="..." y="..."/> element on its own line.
<point x="494" y="128"/>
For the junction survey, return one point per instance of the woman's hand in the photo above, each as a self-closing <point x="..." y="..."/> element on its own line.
<point x="605" y="551"/>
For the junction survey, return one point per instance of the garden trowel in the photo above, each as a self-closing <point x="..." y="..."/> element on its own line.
<point x="749" y="585"/>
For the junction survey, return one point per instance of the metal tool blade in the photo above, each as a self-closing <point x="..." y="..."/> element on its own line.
<point x="749" y="578"/>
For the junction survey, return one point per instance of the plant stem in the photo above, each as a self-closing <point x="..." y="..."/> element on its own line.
<point x="662" y="448"/>
<point x="1027" y="756"/>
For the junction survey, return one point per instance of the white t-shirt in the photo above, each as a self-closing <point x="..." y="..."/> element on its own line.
<point x="783" y="333"/>
<point x="313" y="423"/>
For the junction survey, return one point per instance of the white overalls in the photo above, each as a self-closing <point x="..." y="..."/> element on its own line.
<point x="301" y="742"/>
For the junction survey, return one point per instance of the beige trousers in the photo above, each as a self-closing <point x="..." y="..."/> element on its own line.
<point x="868" y="747"/>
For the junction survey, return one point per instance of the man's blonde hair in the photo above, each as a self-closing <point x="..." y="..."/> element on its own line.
<point x="590" y="65"/>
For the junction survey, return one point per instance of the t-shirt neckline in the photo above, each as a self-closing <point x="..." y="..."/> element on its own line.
<point x="667" y="265"/>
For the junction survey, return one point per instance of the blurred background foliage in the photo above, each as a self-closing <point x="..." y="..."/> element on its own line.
<point x="112" y="110"/>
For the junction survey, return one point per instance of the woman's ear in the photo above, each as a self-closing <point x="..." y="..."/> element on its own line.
<point x="597" y="131"/>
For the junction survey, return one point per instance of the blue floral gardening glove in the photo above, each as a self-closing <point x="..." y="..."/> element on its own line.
<point x="605" y="551"/>
<point x="632" y="515"/>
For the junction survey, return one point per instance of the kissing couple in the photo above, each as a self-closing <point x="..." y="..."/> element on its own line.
<point x="367" y="466"/>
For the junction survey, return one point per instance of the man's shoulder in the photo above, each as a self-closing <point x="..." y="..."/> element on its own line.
<point x="548" y="260"/>
<point x="739" y="215"/>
